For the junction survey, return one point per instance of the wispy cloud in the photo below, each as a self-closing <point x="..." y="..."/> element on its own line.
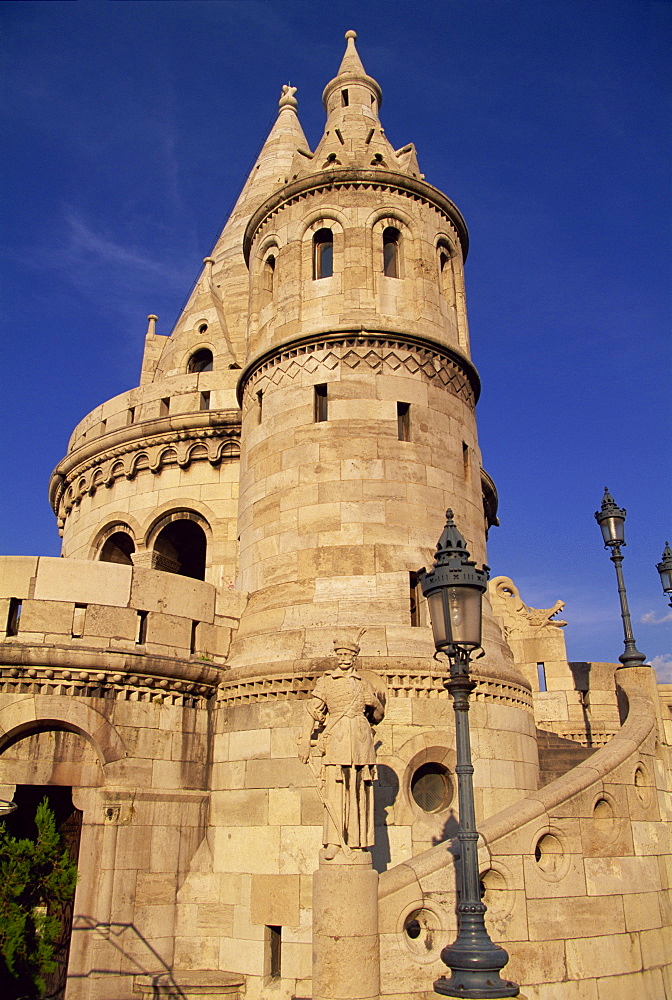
<point x="650" y="618"/>
<point x="663" y="667"/>
<point x="85" y="242"/>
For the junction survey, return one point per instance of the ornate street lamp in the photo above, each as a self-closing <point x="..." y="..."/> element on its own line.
<point x="454" y="590"/>
<point x="611" y="520"/>
<point x="665" y="569"/>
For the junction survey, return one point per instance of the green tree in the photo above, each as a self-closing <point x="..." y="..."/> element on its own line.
<point x="36" y="876"/>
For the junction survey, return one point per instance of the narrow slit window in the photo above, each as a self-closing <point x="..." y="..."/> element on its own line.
<point x="541" y="676"/>
<point x="345" y="98"/>
<point x="103" y="426"/>
<point x="141" y="634"/>
<point x="445" y="271"/>
<point x="131" y="414"/>
<point x="13" y="616"/>
<point x="205" y="400"/>
<point x="194" y="635"/>
<point x="78" y="617"/>
<point x="320" y="403"/>
<point x="164" y="406"/>
<point x="466" y="459"/>
<point x="414" y="599"/>
<point x="391" y="236"/>
<point x="268" y="280"/>
<point x="260" y="405"/>
<point x="404" y="421"/>
<point x="323" y="254"/>
<point x="274" y="951"/>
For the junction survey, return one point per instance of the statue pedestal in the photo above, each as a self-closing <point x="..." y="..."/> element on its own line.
<point x="346" y="955"/>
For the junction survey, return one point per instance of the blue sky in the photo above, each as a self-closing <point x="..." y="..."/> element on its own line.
<point x="130" y="127"/>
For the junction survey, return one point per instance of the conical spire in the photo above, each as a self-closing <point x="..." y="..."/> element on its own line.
<point x="353" y="135"/>
<point x="352" y="72"/>
<point x="220" y="294"/>
<point x="351" y="64"/>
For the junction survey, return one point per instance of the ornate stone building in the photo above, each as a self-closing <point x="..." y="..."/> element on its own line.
<point x="281" y="473"/>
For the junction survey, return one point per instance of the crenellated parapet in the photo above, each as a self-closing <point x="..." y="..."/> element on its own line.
<point x="76" y="624"/>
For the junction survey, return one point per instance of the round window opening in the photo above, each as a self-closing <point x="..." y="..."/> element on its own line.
<point x="432" y="788"/>
<point x="421" y="934"/>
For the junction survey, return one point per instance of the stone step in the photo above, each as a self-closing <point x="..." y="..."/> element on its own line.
<point x="558" y="755"/>
<point x="202" y="983"/>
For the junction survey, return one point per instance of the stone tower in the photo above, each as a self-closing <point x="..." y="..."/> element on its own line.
<point x="281" y="474"/>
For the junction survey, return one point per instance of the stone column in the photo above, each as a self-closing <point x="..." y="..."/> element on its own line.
<point x="346" y="954"/>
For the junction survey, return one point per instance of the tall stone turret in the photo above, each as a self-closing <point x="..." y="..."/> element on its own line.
<point x="275" y="483"/>
<point x="358" y="398"/>
<point x="151" y="476"/>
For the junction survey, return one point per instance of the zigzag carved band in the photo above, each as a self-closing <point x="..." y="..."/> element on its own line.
<point x="378" y="354"/>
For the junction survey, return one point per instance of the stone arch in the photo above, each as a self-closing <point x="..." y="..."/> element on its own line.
<point x="381" y="222"/>
<point x="54" y="711"/>
<point x="317" y="218"/>
<point x="200" y="345"/>
<point x="118" y="522"/>
<point x="264" y="272"/>
<point x="390" y="215"/>
<point x="312" y="224"/>
<point x="270" y="242"/>
<point x="184" y="549"/>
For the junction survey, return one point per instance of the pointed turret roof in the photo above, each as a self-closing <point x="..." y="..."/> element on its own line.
<point x="351" y="64"/>
<point x="351" y="70"/>
<point x="220" y="294"/>
<point x="353" y="135"/>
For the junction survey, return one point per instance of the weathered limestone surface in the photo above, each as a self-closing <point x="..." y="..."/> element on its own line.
<point x="282" y="472"/>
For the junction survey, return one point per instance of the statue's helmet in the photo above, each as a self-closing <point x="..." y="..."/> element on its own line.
<point x="349" y="641"/>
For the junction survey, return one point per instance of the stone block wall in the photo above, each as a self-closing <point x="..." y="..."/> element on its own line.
<point x="86" y="606"/>
<point x="577" y="878"/>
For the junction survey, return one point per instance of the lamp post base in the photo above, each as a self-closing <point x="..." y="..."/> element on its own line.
<point x="464" y="993"/>
<point x="448" y="988"/>
<point x="475" y="962"/>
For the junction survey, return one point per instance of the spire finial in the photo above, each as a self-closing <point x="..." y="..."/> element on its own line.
<point x="287" y="99"/>
<point x="351" y="64"/>
<point x="352" y="70"/>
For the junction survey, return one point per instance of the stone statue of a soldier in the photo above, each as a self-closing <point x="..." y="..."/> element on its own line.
<point x="345" y="707"/>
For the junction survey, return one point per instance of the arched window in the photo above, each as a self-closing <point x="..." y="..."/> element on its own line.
<point x="268" y="280"/>
<point x="200" y="361"/>
<point x="323" y="253"/>
<point x="118" y="548"/>
<point x="445" y="269"/>
<point x="180" y="547"/>
<point x="391" y="239"/>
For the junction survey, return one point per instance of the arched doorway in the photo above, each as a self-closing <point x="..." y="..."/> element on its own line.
<point x="118" y="548"/>
<point x="21" y="824"/>
<point x="181" y="547"/>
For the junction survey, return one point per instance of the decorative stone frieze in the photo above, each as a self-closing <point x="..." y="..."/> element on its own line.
<point x="365" y="352"/>
<point x="376" y="182"/>
<point x="400" y="684"/>
<point x="151" y="445"/>
<point x="36" y="670"/>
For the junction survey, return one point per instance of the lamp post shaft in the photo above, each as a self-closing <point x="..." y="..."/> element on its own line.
<point x="454" y="590"/>
<point x="474" y="960"/>
<point x="630" y="657"/>
<point x="460" y="689"/>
